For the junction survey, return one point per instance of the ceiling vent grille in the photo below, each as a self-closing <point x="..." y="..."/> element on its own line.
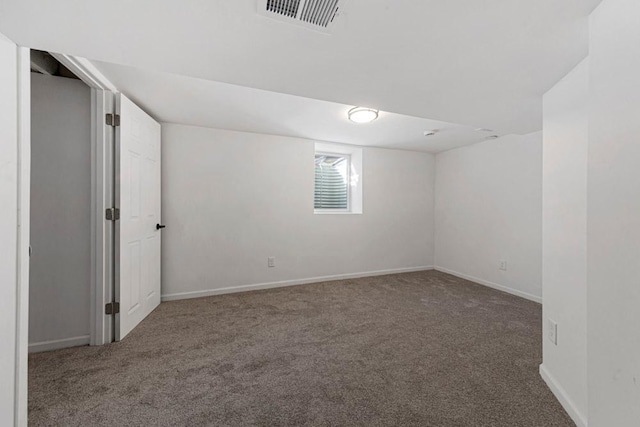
<point x="319" y="12"/>
<point x="315" y="14"/>
<point x="284" y="7"/>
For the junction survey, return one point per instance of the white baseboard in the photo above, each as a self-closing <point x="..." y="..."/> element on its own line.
<point x="270" y="285"/>
<point x="563" y="397"/>
<point x="502" y="288"/>
<point x="38" y="347"/>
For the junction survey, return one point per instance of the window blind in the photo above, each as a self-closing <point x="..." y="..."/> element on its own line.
<point x="331" y="190"/>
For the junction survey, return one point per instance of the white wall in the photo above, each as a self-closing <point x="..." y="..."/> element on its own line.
<point x="60" y="212"/>
<point x="564" y="242"/>
<point x="488" y="209"/>
<point x="614" y="216"/>
<point x="8" y="226"/>
<point x="231" y="199"/>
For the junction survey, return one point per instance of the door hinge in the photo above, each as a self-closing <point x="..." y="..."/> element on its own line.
<point x="113" y="119"/>
<point x="112" y="214"/>
<point x="112" y="308"/>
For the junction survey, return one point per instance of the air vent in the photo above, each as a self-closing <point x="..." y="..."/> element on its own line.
<point x="284" y="7"/>
<point x="319" y="12"/>
<point x="316" y="14"/>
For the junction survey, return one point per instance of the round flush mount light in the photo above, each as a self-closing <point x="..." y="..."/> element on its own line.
<point x="362" y="115"/>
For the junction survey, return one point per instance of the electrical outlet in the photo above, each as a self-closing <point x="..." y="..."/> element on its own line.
<point x="503" y="265"/>
<point x="271" y="261"/>
<point x="552" y="331"/>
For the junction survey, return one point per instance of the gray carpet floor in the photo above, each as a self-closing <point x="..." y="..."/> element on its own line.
<point x="414" y="349"/>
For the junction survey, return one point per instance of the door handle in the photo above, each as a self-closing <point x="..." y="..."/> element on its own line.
<point x="160" y="226"/>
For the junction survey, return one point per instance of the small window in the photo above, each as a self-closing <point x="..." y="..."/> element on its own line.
<point x="332" y="179"/>
<point x="338" y="179"/>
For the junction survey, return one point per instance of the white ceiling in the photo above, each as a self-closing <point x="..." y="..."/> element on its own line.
<point x="187" y="100"/>
<point x="482" y="63"/>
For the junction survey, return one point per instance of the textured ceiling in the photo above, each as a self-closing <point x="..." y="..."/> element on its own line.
<point x="479" y="63"/>
<point x="187" y="100"/>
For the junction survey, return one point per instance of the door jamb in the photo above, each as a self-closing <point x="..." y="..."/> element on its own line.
<point x="86" y="71"/>
<point x="102" y="194"/>
<point x="22" y="269"/>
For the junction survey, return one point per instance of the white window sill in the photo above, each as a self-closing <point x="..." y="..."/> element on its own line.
<point x="328" y="212"/>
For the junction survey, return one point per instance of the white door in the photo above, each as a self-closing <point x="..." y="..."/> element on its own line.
<point x="138" y="230"/>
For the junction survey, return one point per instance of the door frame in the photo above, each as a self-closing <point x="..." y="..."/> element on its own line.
<point x="102" y="194"/>
<point x="102" y="231"/>
<point x="22" y="250"/>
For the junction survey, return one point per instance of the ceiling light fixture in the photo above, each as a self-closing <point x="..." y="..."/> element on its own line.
<point x="362" y="115"/>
